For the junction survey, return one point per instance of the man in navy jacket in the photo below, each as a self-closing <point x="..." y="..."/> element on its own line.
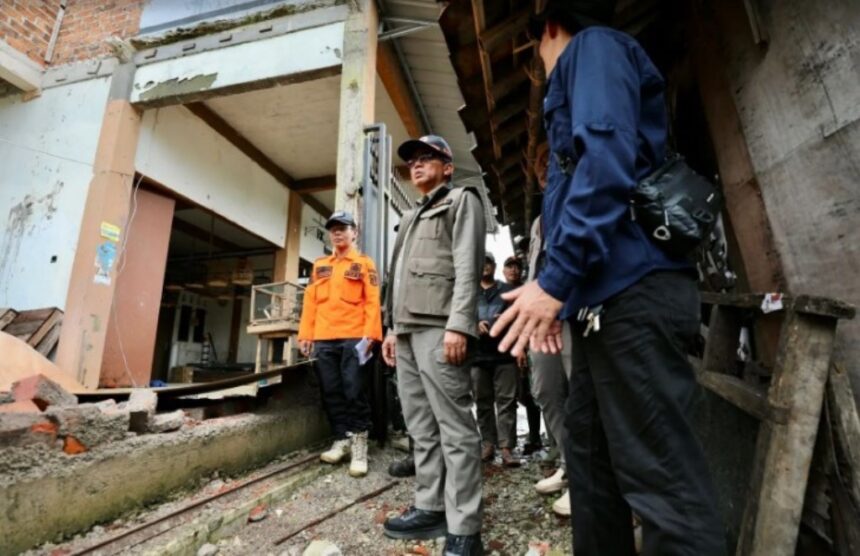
<point x="633" y="309"/>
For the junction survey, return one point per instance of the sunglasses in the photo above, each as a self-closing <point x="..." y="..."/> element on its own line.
<point x="423" y="159"/>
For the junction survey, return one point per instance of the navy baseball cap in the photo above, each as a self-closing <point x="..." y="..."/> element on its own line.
<point x="340" y="217"/>
<point x="407" y="150"/>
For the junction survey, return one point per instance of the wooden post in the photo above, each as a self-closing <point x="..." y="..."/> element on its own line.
<point x="357" y="100"/>
<point x="784" y="449"/>
<point x="105" y="222"/>
<point x="287" y="259"/>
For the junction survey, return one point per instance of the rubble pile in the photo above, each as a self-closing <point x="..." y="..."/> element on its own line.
<point x="39" y="412"/>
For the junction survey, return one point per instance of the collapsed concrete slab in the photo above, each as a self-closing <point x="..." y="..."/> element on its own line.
<point x="91" y="424"/>
<point x="141" y="406"/>
<point x="26" y="429"/>
<point x="67" y="494"/>
<point x="167" y="422"/>
<point x="43" y="392"/>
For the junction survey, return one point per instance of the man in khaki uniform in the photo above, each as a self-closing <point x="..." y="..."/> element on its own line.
<point x="430" y="311"/>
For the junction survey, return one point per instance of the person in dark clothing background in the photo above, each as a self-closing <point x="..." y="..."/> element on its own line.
<point x="633" y="309"/>
<point x="494" y="375"/>
<point x="513" y="273"/>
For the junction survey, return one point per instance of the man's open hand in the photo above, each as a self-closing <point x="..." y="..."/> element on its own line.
<point x="530" y="319"/>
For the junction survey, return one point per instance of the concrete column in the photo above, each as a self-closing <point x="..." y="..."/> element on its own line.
<point x="103" y="228"/>
<point x="357" y="99"/>
<point x="287" y="259"/>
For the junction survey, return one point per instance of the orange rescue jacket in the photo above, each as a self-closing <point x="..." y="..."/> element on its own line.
<point x="342" y="300"/>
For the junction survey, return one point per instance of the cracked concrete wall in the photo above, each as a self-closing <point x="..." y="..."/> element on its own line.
<point x="47" y="148"/>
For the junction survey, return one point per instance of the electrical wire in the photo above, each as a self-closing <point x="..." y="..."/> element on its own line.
<point x="121" y="262"/>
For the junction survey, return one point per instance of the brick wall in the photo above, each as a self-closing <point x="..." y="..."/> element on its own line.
<point x="27" y="24"/>
<point x="88" y="23"/>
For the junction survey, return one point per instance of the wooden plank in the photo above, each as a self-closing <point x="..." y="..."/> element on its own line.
<point x="813" y="305"/>
<point x="846" y="424"/>
<point x="396" y="84"/>
<point x="742" y="395"/>
<point x="745" y="208"/>
<point x="36" y="315"/>
<point x="49" y="342"/>
<point x="505" y="30"/>
<point x="722" y="341"/>
<point x="784" y="450"/>
<point x="23" y="330"/>
<point x="47" y="325"/>
<point x="6" y="316"/>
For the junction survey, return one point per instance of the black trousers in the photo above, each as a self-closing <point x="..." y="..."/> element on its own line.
<point x="631" y="444"/>
<point x="524" y="395"/>
<point x="342" y="384"/>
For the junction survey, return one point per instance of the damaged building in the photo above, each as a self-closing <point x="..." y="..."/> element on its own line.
<point x="167" y="168"/>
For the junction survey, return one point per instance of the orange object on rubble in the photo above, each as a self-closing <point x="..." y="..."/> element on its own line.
<point x="342" y="300"/>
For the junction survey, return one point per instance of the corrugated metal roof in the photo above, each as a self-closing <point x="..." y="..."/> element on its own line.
<point x="426" y="54"/>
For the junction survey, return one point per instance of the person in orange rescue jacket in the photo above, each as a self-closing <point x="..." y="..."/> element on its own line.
<point x="341" y="314"/>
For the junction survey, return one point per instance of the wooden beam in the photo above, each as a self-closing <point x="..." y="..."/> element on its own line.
<point x="239" y="141"/>
<point x="203" y="235"/>
<point x="312" y="202"/>
<point x="513" y="108"/>
<point x="393" y="79"/>
<point x="510" y="131"/>
<point x="505" y="30"/>
<point x="744" y="203"/>
<point x="287" y="259"/>
<point x="18" y="69"/>
<point x="314" y="185"/>
<point x="509" y="160"/>
<point x="507" y="84"/>
<point x="486" y="65"/>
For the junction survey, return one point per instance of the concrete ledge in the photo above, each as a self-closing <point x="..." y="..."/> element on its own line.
<point x="68" y="494"/>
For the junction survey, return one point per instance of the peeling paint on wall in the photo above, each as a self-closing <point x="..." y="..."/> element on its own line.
<point x="177" y="86"/>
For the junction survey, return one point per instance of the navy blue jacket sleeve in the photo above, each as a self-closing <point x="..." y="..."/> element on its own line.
<point x="603" y="89"/>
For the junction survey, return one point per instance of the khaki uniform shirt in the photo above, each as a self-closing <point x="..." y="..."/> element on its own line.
<point x="437" y="263"/>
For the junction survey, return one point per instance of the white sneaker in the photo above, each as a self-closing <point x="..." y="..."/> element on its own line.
<point x="358" y="465"/>
<point x="562" y="505"/>
<point x="554" y="483"/>
<point x="338" y="451"/>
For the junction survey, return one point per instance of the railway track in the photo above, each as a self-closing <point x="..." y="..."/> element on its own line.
<point x="155" y="528"/>
<point x="146" y="532"/>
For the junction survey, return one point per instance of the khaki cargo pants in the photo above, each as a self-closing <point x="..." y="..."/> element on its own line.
<point x="437" y="400"/>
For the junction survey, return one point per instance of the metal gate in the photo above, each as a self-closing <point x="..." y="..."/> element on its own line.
<point x="384" y="199"/>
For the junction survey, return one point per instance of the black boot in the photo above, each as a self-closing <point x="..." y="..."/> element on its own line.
<point x="464" y="545"/>
<point x="402" y="468"/>
<point x="416" y="524"/>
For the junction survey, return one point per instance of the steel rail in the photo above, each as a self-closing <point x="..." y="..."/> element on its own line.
<point x="333" y="513"/>
<point x="115" y="539"/>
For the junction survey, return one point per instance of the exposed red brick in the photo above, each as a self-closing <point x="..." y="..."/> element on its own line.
<point x="46" y="428"/>
<point x="73" y="446"/>
<point x="25" y="406"/>
<point x="42" y="391"/>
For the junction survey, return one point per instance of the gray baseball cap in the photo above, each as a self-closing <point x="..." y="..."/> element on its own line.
<point x="340" y="217"/>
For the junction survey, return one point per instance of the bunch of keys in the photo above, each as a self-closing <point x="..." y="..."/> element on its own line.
<point x="592" y="318"/>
